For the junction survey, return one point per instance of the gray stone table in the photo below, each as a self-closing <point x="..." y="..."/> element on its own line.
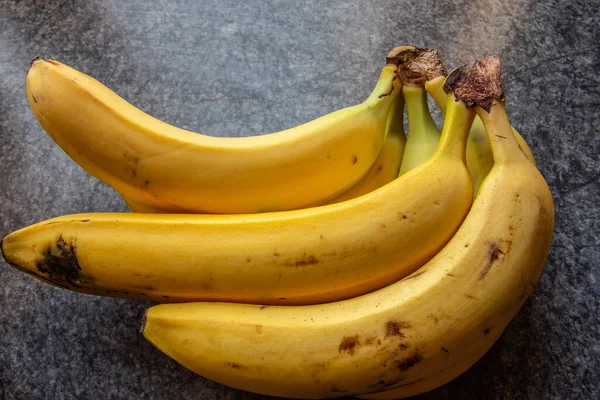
<point x="235" y="68"/>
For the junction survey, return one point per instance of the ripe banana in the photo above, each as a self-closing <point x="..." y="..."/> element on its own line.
<point x="386" y="167"/>
<point x="420" y="331"/>
<point x="423" y="134"/>
<point x="305" y="256"/>
<point x="479" y="152"/>
<point x="384" y="170"/>
<point x="156" y="166"/>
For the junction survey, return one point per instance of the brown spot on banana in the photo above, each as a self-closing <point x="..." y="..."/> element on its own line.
<point x="354" y="159"/>
<point x="305" y="260"/>
<point x="394" y="328"/>
<point x="432" y="317"/>
<point x="495" y="253"/>
<point x="61" y="266"/>
<point x="370" y="340"/>
<point x="383" y="385"/>
<point x="349" y="344"/>
<point x="149" y="288"/>
<point x="410" y="362"/>
<point x="131" y="164"/>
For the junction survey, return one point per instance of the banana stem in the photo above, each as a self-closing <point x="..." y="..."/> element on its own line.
<point x="504" y="144"/>
<point x="395" y="120"/>
<point x="423" y="134"/>
<point x="435" y="88"/>
<point x="386" y="87"/>
<point x="417" y="110"/>
<point x="457" y="126"/>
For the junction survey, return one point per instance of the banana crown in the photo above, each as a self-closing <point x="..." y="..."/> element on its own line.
<point x="417" y="65"/>
<point x="477" y="83"/>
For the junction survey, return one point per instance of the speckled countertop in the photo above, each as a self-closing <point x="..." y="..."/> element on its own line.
<point x="235" y="68"/>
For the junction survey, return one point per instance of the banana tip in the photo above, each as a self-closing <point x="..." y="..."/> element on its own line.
<point x="6" y="259"/>
<point x="33" y="61"/>
<point x="38" y="58"/>
<point x="2" y="250"/>
<point x="144" y="319"/>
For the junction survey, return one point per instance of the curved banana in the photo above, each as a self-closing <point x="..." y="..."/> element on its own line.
<point x="386" y="167"/>
<point x="389" y="341"/>
<point x="479" y="152"/>
<point x="156" y="166"/>
<point x="305" y="256"/>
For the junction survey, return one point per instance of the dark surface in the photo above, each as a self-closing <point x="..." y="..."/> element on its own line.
<point x="230" y="68"/>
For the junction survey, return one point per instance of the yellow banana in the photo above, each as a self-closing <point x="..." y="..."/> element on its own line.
<point x="389" y="341"/>
<point x="386" y="167"/>
<point x="156" y="166"/>
<point x="305" y="256"/>
<point x="479" y="152"/>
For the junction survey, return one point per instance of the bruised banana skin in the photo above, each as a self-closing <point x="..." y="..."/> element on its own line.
<point x="440" y="377"/>
<point x="479" y="152"/>
<point x="397" y="341"/>
<point x="305" y="256"/>
<point x="386" y="167"/>
<point x="157" y="166"/>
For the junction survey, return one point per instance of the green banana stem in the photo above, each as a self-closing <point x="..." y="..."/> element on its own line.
<point x="457" y="126"/>
<point x="498" y="126"/>
<point x="435" y="88"/>
<point x="423" y="134"/>
<point x="395" y="120"/>
<point x="480" y="159"/>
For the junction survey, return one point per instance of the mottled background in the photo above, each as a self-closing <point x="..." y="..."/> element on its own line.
<point x="236" y="68"/>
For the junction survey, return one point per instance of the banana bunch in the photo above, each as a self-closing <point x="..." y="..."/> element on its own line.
<point x="337" y="258"/>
